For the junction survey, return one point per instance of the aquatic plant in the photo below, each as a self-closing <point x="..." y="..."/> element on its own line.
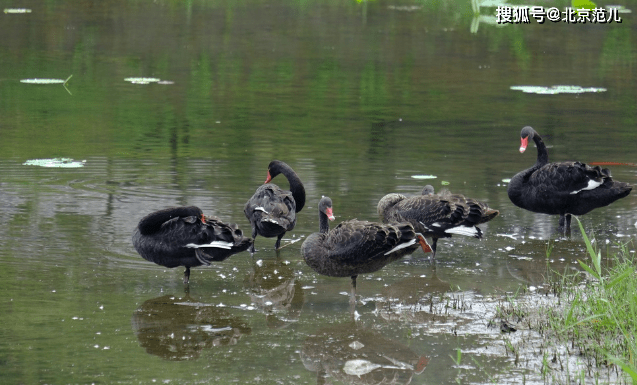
<point x="601" y="319"/>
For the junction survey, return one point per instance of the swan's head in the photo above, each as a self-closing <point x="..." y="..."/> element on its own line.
<point x="427" y="190"/>
<point x="275" y="168"/>
<point x="527" y="133"/>
<point x="325" y="207"/>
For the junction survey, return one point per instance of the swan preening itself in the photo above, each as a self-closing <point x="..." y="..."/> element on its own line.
<point x="183" y="236"/>
<point x="272" y="210"/>
<point x="357" y="247"/>
<point x="562" y="188"/>
<point x="436" y="215"/>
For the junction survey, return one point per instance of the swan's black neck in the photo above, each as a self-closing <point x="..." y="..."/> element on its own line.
<point x="296" y="186"/>
<point x="324" y="223"/>
<point x="542" y="154"/>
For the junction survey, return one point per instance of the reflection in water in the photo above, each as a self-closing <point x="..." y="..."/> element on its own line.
<point x="414" y="300"/>
<point x="355" y="355"/>
<point x="179" y="329"/>
<point x="530" y="264"/>
<point x="410" y="290"/>
<point x="274" y="290"/>
<point x="484" y="12"/>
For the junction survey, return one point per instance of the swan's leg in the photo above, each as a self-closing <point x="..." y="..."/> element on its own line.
<point x="434" y="243"/>
<point x="567" y="225"/>
<point x="564" y="225"/>
<point x="277" y="245"/>
<point x="352" y="298"/>
<point x="254" y="237"/>
<point x="187" y="275"/>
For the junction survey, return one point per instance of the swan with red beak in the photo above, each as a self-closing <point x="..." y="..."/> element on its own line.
<point x="562" y="188"/>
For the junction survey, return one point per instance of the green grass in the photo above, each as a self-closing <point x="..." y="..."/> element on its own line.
<point x="599" y="319"/>
<point x="588" y="329"/>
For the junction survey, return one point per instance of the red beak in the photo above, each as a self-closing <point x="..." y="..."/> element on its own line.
<point x="203" y="219"/>
<point x="523" y="143"/>
<point x="268" y="179"/>
<point x="329" y="213"/>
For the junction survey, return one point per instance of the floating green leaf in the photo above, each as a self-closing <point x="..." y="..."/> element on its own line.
<point x="55" y="162"/>
<point x="507" y="180"/>
<point x="445" y="183"/>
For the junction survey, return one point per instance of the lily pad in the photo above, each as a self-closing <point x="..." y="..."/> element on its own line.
<point x="445" y="183"/>
<point x="142" y="80"/>
<point x="559" y="89"/>
<point x="43" y="81"/>
<point x="49" y="81"/>
<point x="17" y="10"/>
<point x="424" y="176"/>
<point x="55" y="162"/>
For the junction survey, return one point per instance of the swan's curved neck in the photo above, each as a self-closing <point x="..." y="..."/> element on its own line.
<point x="542" y="154"/>
<point x="296" y="187"/>
<point x="324" y="223"/>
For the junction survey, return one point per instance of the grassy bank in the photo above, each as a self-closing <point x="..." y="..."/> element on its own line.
<point x="591" y="321"/>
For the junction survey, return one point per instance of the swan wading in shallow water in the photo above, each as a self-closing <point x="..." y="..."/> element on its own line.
<point x="183" y="236"/>
<point x="357" y="247"/>
<point x="563" y="188"/>
<point x="272" y="210"/>
<point x="436" y="215"/>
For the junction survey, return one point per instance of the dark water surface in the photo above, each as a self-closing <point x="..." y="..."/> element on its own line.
<point x="358" y="97"/>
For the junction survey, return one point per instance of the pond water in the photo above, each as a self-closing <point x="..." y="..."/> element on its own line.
<point x="360" y="98"/>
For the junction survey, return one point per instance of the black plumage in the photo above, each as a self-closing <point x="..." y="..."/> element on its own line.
<point x="562" y="188"/>
<point x="436" y="215"/>
<point x="272" y="210"/>
<point x="183" y="236"/>
<point x="357" y="247"/>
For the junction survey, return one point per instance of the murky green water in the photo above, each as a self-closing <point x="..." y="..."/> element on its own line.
<point x="357" y="98"/>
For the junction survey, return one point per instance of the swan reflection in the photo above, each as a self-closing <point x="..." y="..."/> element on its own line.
<point x="274" y="290"/>
<point x="178" y="329"/>
<point x="356" y="355"/>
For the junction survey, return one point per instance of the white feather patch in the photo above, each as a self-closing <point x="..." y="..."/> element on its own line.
<point x="592" y="184"/>
<point x="424" y="226"/>
<point x="269" y="220"/>
<point x="217" y="244"/>
<point x="401" y="246"/>
<point x="259" y="208"/>
<point x="469" y="231"/>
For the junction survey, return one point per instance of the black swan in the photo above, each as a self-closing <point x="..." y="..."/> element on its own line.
<point x="562" y="188"/>
<point x="183" y="236"/>
<point x="436" y="215"/>
<point x="271" y="210"/>
<point x="356" y="247"/>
